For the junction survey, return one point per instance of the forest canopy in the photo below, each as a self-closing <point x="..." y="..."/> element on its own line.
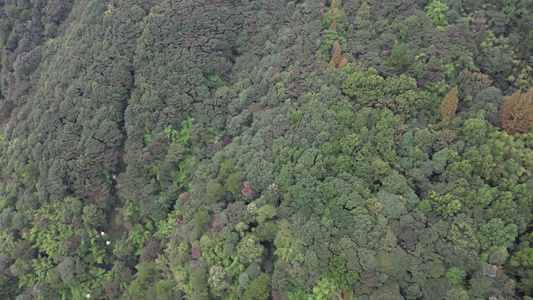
<point x="311" y="149"/>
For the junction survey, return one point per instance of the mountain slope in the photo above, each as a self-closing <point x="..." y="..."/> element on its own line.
<point x="255" y="150"/>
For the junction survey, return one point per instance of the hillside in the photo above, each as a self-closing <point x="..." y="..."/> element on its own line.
<point x="310" y="149"/>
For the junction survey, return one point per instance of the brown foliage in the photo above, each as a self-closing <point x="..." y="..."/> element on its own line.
<point x="196" y="252"/>
<point x="471" y="83"/>
<point x="335" y="54"/>
<point x="218" y="225"/>
<point x="343" y="63"/>
<point x="516" y="113"/>
<point x="75" y="241"/>
<point x="448" y="106"/>
<point x="157" y="147"/>
<point x="252" y="27"/>
<point x="247" y="191"/>
<point x="43" y="222"/>
<point x="333" y="25"/>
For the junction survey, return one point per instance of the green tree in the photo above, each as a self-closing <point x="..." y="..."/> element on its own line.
<point x="202" y="222"/>
<point x="215" y="192"/>
<point x="366" y="86"/>
<point x="399" y="57"/>
<point x="234" y="183"/>
<point x="250" y="250"/>
<point x="93" y="216"/>
<point x="457" y="294"/>
<point x="394" y="183"/>
<point x="444" y="205"/>
<point x="393" y="207"/>
<point x="74" y="207"/>
<point x="198" y="284"/>
<point x="455" y="276"/>
<point x="522" y="261"/>
<point x="265" y="212"/>
<point x="66" y="270"/>
<point x="436" y="288"/>
<point x="8" y="288"/>
<point x="325" y="289"/>
<point x="143" y="285"/>
<point x="164" y="289"/>
<point x="480" y="287"/>
<point x="258" y="289"/>
<point x="5" y="218"/>
<point x="219" y="280"/>
<point x="496" y="234"/>
<point x="437" y="12"/>
<point x="339" y="274"/>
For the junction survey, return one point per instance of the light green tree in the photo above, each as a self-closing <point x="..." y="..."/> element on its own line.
<point x="437" y="12"/>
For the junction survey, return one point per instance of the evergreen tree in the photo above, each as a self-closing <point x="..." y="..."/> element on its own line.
<point x="399" y="58"/>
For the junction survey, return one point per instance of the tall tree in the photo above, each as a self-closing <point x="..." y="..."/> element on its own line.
<point x="335" y="54"/>
<point x="399" y="57"/>
<point x="448" y="106"/>
<point x="516" y="113"/>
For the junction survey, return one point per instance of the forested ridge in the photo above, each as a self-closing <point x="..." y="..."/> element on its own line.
<point x="309" y="149"/>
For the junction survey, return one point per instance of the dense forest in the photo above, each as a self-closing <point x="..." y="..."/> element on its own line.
<point x="307" y="149"/>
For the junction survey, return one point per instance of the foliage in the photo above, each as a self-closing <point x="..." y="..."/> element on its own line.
<point x="327" y="41"/>
<point x="164" y="289"/>
<point x="448" y="106"/>
<point x="523" y="261"/>
<point x="266" y="149"/>
<point x="436" y="12"/>
<point x="516" y="114"/>
<point x="325" y="289"/>
<point x="215" y="192"/>
<point x="399" y="58"/>
<point x="470" y="83"/>
<point x="364" y="85"/>
<point x="258" y="288"/>
<point x="496" y="234"/>
<point x="455" y="276"/>
<point x="338" y="273"/>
